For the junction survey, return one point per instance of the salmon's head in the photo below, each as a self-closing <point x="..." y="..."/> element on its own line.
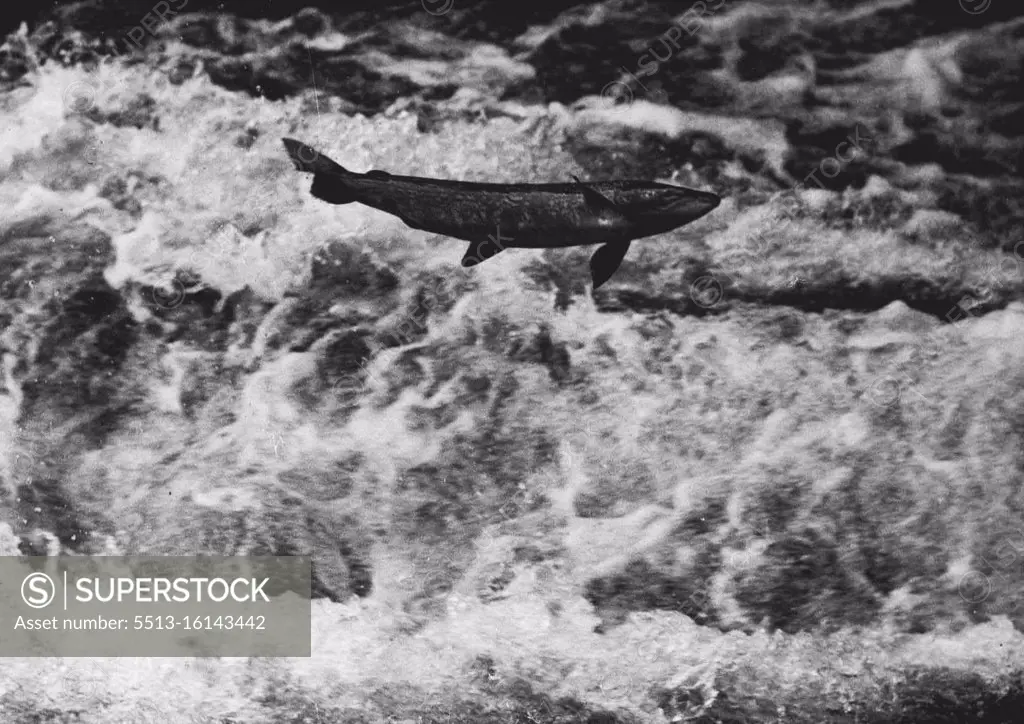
<point x="681" y="204"/>
<point x="660" y="207"/>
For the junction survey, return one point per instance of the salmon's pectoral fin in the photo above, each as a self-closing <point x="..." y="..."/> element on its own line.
<point x="482" y="250"/>
<point x="606" y="260"/>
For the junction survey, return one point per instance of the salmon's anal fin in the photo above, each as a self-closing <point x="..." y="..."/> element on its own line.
<point x="606" y="260"/>
<point x="482" y="250"/>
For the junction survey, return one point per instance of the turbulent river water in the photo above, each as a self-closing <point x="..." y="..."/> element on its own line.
<point x="771" y="471"/>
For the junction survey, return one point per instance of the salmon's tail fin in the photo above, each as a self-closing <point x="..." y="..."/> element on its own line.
<point x="330" y="179"/>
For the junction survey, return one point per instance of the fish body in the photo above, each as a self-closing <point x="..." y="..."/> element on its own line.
<point x="496" y="216"/>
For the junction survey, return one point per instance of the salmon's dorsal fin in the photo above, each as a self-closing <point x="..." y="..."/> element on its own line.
<point x="606" y="260"/>
<point x="377" y="174"/>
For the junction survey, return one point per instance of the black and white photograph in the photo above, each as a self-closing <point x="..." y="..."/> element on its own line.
<point x="488" y="362"/>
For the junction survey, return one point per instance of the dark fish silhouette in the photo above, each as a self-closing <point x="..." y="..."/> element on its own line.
<point x="525" y="216"/>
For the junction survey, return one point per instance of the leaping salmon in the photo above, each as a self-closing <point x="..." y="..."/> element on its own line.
<point x="527" y="216"/>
